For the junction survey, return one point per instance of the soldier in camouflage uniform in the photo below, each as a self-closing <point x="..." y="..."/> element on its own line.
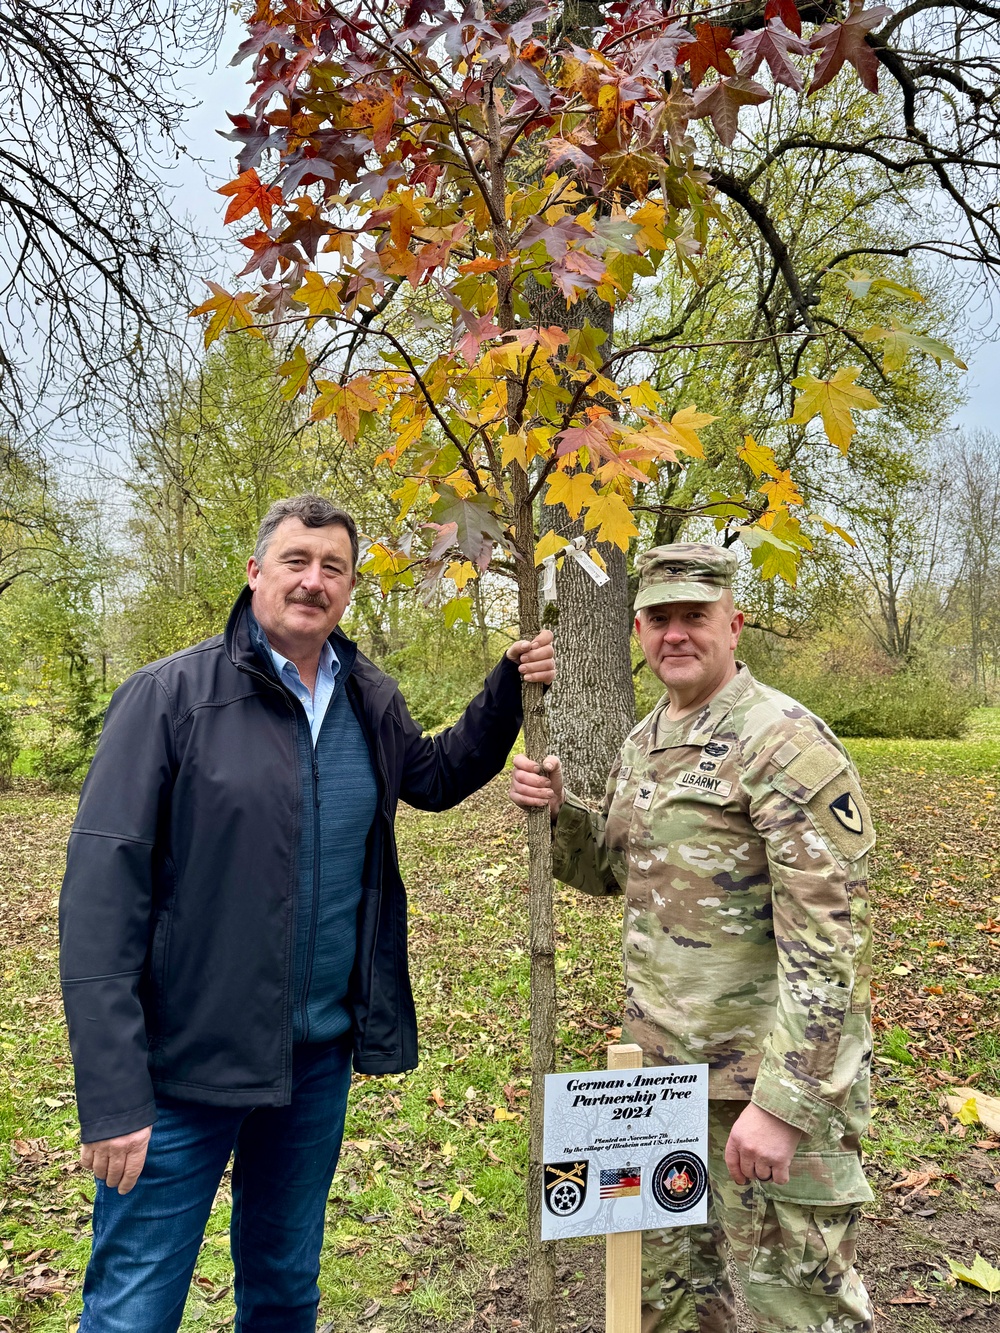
<point x="735" y="826"/>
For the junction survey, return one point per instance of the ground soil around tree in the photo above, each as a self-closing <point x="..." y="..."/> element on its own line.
<point x="427" y="1216"/>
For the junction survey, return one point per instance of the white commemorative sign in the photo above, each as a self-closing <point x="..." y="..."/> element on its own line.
<point x="624" y="1150"/>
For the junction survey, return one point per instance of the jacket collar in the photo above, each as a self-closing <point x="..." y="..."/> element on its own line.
<point x="242" y="652"/>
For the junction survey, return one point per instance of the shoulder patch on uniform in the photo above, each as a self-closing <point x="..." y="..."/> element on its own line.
<point x="847" y="813"/>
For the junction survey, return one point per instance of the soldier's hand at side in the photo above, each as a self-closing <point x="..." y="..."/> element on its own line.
<point x="535" y="657"/>
<point x="761" y="1147"/>
<point x="119" y="1161"/>
<point x="532" y="785"/>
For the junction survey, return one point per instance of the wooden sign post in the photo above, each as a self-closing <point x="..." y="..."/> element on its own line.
<point x="623" y="1268"/>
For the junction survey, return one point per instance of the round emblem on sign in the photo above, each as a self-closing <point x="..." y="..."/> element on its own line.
<point x="679" y="1181"/>
<point x="566" y="1198"/>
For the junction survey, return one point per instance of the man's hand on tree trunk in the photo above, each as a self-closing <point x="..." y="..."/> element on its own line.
<point x="535" y="657"/>
<point x="534" y="784"/>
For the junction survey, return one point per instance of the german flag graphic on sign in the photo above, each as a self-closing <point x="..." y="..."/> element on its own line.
<point x="622" y="1182"/>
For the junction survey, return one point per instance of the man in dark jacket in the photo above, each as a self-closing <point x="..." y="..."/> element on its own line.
<point x="233" y="927"/>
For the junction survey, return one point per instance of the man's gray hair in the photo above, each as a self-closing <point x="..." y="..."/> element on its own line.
<point x="311" y="510"/>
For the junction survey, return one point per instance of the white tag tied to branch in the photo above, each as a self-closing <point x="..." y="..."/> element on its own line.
<point x="575" y="551"/>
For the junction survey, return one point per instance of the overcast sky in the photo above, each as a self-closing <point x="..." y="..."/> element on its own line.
<point x="220" y="88"/>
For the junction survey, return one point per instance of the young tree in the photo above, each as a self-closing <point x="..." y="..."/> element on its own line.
<point x="468" y="157"/>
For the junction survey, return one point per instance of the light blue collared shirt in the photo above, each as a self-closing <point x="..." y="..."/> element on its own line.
<point x="317" y="703"/>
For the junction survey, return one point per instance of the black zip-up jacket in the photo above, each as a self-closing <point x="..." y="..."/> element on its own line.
<point x="177" y="908"/>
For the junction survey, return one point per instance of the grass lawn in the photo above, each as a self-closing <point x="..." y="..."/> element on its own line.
<point x="426" y="1218"/>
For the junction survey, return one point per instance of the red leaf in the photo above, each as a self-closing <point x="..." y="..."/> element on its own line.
<point x="787" y="12"/>
<point x="707" y="52"/>
<point x="772" y="43"/>
<point x="845" y="41"/>
<point x="722" y="102"/>
<point x="249" y="192"/>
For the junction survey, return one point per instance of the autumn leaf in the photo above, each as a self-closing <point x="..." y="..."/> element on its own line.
<point x="346" y="402"/>
<point x="845" y="41"/>
<point x="460" y="572"/>
<point x="684" y="427"/>
<point x="248" y="193"/>
<point x="476" y="524"/>
<point x="643" y="395"/>
<point x="722" y="102"/>
<point x="226" y="308"/>
<point x="834" y="400"/>
<point x="611" y="516"/>
<point x="772" y="44"/>
<point x="707" y="51"/>
<point x="898" y="341"/>
<point x="832" y="529"/>
<point x="982" y="1274"/>
<point x="782" y="491"/>
<point x="787" y="11"/>
<point x="296" y="373"/>
<point x="318" y="295"/>
<point x="574" y="490"/>
<point x="759" y="458"/>
<point x="552" y="543"/>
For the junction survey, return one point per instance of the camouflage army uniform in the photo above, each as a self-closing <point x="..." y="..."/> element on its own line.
<point x="739" y="836"/>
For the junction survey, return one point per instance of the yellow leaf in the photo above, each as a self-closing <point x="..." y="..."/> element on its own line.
<point x="643" y="395"/>
<point x="982" y="1274"/>
<point x="460" y="572"/>
<point x="500" y="1114"/>
<point x="833" y="528"/>
<point x="226" y="308"/>
<point x="781" y="491"/>
<point x="551" y="544"/>
<point x="833" y="400"/>
<point x="319" y="296"/>
<point x="685" y="424"/>
<point x="574" y="490"/>
<point x="759" y="458"/>
<point x="597" y="558"/>
<point x="514" y="449"/>
<point x="296" y="372"/>
<point x="456" y="1200"/>
<point x="610" y="514"/>
<point x="968" y="1112"/>
<point x="406" y="496"/>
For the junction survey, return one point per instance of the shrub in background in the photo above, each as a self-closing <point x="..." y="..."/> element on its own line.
<point x="9" y="747"/>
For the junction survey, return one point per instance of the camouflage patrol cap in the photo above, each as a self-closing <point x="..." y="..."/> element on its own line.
<point x="683" y="572"/>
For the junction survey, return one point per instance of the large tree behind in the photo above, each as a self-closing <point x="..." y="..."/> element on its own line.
<point x="92" y="263"/>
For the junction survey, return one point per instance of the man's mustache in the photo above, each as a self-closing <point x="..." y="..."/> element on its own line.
<point x="310" y="599"/>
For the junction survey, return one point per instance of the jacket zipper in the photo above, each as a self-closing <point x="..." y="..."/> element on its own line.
<point x="314" y="905"/>
<point x="286" y="1039"/>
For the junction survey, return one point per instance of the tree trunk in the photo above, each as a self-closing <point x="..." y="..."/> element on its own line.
<point x="541" y="930"/>
<point x="592" y="702"/>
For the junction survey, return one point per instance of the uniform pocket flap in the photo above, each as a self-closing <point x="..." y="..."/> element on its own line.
<point x="822" y="1178"/>
<point x="803" y="773"/>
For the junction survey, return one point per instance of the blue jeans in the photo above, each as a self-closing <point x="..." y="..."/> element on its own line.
<point x="146" y="1242"/>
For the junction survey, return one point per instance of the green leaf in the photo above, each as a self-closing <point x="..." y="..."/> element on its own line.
<point x="772" y="556"/>
<point x="478" y="527"/>
<point x="459" y="608"/>
<point x="860" y="283"/>
<point x="982" y="1274"/>
<point x="898" y="341"/>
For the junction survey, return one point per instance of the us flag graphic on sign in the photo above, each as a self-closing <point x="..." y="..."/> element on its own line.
<point x="622" y="1182"/>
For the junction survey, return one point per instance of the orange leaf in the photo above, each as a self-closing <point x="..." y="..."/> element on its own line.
<point x="249" y="192"/>
<point x="708" y="52"/>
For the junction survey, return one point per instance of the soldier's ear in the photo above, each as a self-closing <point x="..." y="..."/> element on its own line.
<point x="736" y="626"/>
<point x="637" y="624"/>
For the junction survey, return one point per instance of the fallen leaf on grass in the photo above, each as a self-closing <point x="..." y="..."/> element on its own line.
<point x="911" y="1297"/>
<point x="982" y="1274"/>
<point x="915" y="1181"/>
<point x="987" y="1108"/>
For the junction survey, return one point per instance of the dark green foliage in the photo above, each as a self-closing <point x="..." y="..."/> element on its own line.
<point x="73" y="728"/>
<point x="9" y="747"/>
<point x="906" y="705"/>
